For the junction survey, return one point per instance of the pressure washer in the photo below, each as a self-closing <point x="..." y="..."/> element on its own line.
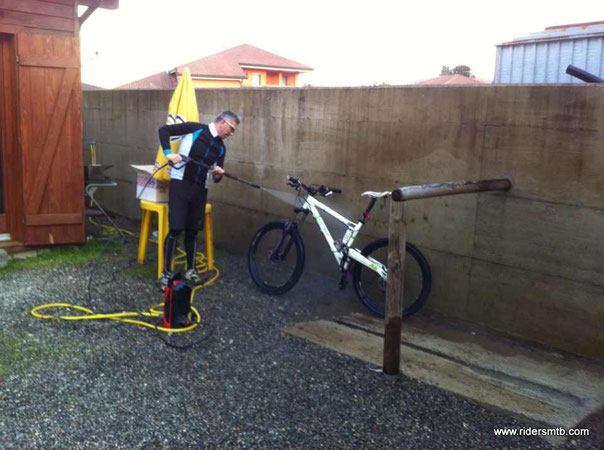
<point x="177" y="303"/>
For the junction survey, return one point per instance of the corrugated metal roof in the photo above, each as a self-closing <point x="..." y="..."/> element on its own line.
<point x="561" y="32"/>
<point x="543" y="57"/>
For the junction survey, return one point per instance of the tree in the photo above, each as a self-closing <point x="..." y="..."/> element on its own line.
<point x="463" y="70"/>
<point x="460" y="70"/>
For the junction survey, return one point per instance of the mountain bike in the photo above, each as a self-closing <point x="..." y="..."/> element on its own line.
<point x="276" y="255"/>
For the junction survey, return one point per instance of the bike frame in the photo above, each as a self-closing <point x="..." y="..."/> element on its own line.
<point x="352" y="229"/>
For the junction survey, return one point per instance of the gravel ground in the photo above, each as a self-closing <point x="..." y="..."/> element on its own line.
<point x="105" y="384"/>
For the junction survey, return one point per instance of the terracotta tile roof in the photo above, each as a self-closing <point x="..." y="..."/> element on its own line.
<point x="225" y="64"/>
<point x="228" y="63"/>
<point x="162" y="80"/>
<point x="453" y="79"/>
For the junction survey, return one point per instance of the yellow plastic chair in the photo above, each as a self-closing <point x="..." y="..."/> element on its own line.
<point x="161" y="209"/>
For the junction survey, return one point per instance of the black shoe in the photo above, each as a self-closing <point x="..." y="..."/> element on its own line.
<point x="193" y="277"/>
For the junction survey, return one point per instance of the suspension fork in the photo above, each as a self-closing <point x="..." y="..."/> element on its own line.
<point x="280" y="253"/>
<point x="284" y="245"/>
<point x="290" y="226"/>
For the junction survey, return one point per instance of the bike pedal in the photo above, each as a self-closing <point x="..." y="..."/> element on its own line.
<point x="343" y="282"/>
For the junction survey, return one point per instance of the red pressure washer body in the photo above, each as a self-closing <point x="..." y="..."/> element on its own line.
<point x="177" y="303"/>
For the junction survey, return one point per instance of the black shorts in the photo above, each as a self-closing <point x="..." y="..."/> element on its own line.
<point x="186" y="205"/>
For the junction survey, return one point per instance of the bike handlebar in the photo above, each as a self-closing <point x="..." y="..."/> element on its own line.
<point x="313" y="188"/>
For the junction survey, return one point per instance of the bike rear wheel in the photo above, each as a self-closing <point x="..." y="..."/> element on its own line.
<point x="276" y="258"/>
<point x="371" y="288"/>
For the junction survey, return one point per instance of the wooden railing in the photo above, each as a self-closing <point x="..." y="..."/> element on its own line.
<point x="396" y="253"/>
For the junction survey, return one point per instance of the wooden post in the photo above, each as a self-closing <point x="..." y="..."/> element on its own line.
<point x="394" y="290"/>
<point x="396" y="253"/>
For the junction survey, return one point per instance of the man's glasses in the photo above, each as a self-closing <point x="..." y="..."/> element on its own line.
<point x="231" y="126"/>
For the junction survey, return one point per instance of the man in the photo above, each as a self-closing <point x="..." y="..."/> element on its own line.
<point x="189" y="182"/>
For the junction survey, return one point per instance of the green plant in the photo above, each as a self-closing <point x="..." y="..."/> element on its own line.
<point x="67" y="254"/>
<point x="16" y="355"/>
<point x="23" y="352"/>
<point x="145" y="271"/>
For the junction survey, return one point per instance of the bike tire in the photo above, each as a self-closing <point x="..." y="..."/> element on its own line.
<point x="276" y="275"/>
<point x="371" y="289"/>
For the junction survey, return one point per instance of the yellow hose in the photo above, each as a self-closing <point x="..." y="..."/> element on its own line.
<point x="106" y="230"/>
<point x="154" y="311"/>
<point x="120" y="317"/>
<point x="180" y="258"/>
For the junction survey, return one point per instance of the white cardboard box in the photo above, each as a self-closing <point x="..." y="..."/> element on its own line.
<point x="155" y="190"/>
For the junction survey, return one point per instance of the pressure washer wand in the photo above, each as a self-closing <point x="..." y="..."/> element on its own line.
<point x="233" y="177"/>
<point x="188" y="160"/>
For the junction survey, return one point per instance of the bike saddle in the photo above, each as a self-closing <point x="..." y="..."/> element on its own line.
<point x="373" y="194"/>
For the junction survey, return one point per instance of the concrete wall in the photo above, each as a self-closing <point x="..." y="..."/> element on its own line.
<point x="528" y="263"/>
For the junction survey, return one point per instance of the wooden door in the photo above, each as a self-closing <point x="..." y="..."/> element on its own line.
<point x="3" y="222"/>
<point x="10" y="168"/>
<point x="51" y="139"/>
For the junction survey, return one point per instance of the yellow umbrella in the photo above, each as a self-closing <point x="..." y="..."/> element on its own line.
<point x="183" y="108"/>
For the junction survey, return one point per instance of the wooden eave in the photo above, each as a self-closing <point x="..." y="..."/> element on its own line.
<point x="93" y="5"/>
<point x="105" y="4"/>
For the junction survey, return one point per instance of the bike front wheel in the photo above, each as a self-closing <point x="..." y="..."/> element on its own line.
<point x="276" y="258"/>
<point x="371" y="288"/>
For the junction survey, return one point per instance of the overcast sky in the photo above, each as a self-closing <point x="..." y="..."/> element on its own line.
<point x="348" y="43"/>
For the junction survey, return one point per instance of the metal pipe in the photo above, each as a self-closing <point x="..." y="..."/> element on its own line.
<point x="404" y="193"/>
<point x="583" y="75"/>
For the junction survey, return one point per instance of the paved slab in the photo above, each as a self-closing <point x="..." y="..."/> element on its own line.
<point x="548" y="387"/>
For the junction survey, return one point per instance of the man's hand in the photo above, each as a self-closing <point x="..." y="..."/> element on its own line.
<point x="217" y="171"/>
<point x="174" y="158"/>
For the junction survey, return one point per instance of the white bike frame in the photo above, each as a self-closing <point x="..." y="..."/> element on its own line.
<point x="313" y="205"/>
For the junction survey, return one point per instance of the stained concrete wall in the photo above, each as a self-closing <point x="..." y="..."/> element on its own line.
<point x="528" y="263"/>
